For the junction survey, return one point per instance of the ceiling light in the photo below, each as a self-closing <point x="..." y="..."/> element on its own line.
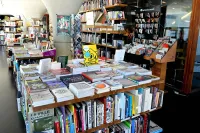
<point x="173" y="8"/>
<point x="164" y="2"/>
<point x="186" y="15"/>
<point x="174" y="22"/>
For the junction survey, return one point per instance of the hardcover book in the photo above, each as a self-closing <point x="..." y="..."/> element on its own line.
<point x="41" y="98"/>
<point x="47" y="77"/>
<point x="126" y="83"/>
<point x="139" y="79"/>
<point x="96" y="76"/>
<point x="56" y="85"/>
<point x="36" y="86"/>
<point x="44" y="124"/>
<point x="73" y="79"/>
<point x="62" y="94"/>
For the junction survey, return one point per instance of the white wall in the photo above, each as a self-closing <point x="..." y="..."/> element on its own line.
<point x="61" y="7"/>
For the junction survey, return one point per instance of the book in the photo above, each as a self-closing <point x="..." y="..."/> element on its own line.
<point x="44" y="65"/>
<point x="81" y="89"/>
<point x="60" y="72"/>
<point x="154" y="128"/>
<point x="100" y="113"/>
<point x="36" y="86"/>
<point x="126" y="71"/>
<point x="56" y="85"/>
<point x="31" y="76"/>
<point x="114" y="85"/>
<point x="139" y="79"/>
<point x="44" y="124"/>
<point x="76" y="68"/>
<point x="101" y="87"/>
<point x="126" y="83"/>
<point x="62" y="94"/>
<point x="96" y="76"/>
<point x="41" y="98"/>
<point x="60" y="118"/>
<point x="128" y="64"/>
<point x="114" y="75"/>
<point x="55" y="65"/>
<point x="57" y="125"/>
<point x="73" y="79"/>
<point x="90" y="54"/>
<point x="28" y="70"/>
<point x="45" y="77"/>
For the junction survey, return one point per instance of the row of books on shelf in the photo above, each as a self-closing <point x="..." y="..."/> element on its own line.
<point x="95" y="4"/>
<point x="116" y="15"/>
<point x="84" y="116"/>
<point x="91" y="38"/>
<point x="103" y="53"/>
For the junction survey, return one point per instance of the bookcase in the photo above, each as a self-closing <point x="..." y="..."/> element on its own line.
<point x="107" y="36"/>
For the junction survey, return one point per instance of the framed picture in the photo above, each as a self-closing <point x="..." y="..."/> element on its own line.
<point x="63" y="24"/>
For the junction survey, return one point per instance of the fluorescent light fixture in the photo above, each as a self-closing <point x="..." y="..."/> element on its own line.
<point x="174" y="22"/>
<point x="186" y="15"/>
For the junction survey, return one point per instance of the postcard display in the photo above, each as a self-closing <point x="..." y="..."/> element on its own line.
<point x="147" y="25"/>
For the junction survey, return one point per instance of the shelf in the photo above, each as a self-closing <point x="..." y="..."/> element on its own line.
<point x="116" y="122"/>
<point x="108" y="32"/>
<point x="107" y="7"/>
<point x="108" y="46"/>
<point x="98" y="26"/>
<point x="96" y="96"/>
<point x="34" y="58"/>
<point x="121" y="19"/>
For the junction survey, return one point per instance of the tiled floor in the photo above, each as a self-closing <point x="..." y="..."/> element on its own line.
<point x="10" y="120"/>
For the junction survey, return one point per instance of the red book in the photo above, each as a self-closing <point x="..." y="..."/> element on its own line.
<point x="62" y="71"/>
<point x="57" y="126"/>
<point x="145" y="123"/>
<point x="103" y="100"/>
<point x="75" y="118"/>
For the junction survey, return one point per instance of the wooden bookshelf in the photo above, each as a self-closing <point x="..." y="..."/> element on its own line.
<point x="108" y="46"/>
<point x="107" y="7"/>
<point x="116" y="122"/>
<point x="34" y="58"/>
<point x="96" y="96"/>
<point x="120" y="19"/>
<point x="98" y="26"/>
<point x="108" y="32"/>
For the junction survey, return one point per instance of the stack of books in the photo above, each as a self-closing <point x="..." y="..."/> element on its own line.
<point x="81" y="89"/>
<point x="60" y="72"/>
<point x="96" y="76"/>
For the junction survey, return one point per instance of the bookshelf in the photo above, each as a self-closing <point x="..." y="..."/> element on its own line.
<point x="107" y="7"/>
<point x="77" y="100"/>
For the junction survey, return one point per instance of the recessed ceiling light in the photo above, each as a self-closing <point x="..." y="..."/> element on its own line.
<point x="173" y="8"/>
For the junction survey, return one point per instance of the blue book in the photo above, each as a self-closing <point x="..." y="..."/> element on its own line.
<point x="130" y="105"/>
<point x="127" y="105"/>
<point x="133" y="126"/>
<point x="62" y="108"/>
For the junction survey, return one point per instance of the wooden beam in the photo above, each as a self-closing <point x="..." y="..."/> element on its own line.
<point x="191" y="47"/>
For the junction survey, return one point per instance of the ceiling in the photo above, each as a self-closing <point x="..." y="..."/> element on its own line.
<point x="26" y="8"/>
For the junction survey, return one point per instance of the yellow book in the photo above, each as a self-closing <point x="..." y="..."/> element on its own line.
<point x="90" y="54"/>
<point x="71" y="108"/>
<point x="133" y="103"/>
<point x="67" y="126"/>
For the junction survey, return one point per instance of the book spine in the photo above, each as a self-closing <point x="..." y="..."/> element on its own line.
<point x="89" y="114"/>
<point x="95" y="114"/>
<point x="98" y="114"/>
<point x="75" y="120"/>
<point x="57" y="126"/>
<point x="64" y="117"/>
<point x="86" y="76"/>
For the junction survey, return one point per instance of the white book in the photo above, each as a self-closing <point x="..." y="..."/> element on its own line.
<point x="145" y="99"/>
<point x="116" y="108"/>
<point x="89" y="107"/>
<point x="101" y="87"/>
<point x="161" y="98"/>
<point x="56" y="65"/>
<point x="44" y="65"/>
<point x="114" y="85"/>
<point x="41" y="98"/>
<point x="62" y="94"/>
<point x="95" y="113"/>
<point x="149" y="101"/>
<point x="84" y="116"/>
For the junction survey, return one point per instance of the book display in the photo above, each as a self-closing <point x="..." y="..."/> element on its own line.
<point x="103" y="24"/>
<point x="110" y="104"/>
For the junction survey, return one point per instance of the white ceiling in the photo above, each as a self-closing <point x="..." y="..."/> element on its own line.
<point x="27" y="8"/>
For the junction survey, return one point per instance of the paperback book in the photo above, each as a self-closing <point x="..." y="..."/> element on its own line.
<point x="126" y="83"/>
<point x="36" y="86"/>
<point x="56" y="85"/>
<point x="101" y="87"/>
<point x="62" y="94"/>
<point x="96" y="76"/>
<point x="114" y="85"/>
<point x="139" y="79"/>
<point x="45" y="77"/>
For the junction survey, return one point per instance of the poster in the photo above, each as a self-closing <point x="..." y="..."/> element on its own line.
<point x="63" y="25"/>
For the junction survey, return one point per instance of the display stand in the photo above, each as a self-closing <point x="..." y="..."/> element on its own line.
<point x="160" y="67"/>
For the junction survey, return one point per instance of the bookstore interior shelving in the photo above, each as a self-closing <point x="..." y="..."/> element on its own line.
<point x="68" y="100"/>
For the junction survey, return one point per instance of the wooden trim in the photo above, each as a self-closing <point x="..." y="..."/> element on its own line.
<point x="96" y="96"/>
<point x="191" y="47"/>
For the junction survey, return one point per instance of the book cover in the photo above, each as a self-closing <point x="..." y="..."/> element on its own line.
<point x="90" y="54"/>
<point x="101" y="87"/>
<point x="96" y="76"/>
<point x="36" y="86"/>
<point x="126" y="83"/>
<point x="73" y="79"/>
<point x="56" y="85"/>
<point x="31" y="76"/>
<point x="62" y="71"/>
<point x="44" y="124"/>
<point x="139" y="79"/>
<point x="62" y="94"/>
<point x="29" y="70"/>
<point x="47" y="77"/>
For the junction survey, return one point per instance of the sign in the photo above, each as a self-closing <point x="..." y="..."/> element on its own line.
<point x="63" y="24"/>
